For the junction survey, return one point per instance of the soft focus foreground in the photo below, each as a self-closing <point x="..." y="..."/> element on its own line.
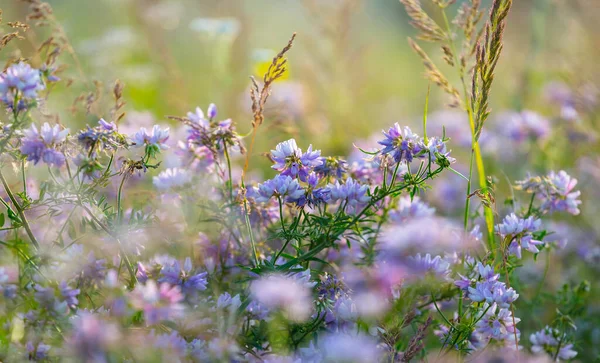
<point x="335" y="207"/>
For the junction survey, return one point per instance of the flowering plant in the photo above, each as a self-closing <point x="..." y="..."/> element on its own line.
<point x="109" y="255"/>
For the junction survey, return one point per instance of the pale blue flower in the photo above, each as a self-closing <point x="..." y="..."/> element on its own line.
<point x="282" y="186"/>
<point x="42" y="145"/>
<point x="289" y="159"/>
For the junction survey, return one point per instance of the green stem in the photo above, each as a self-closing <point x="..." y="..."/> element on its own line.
<point x="119" y="198"/>
<point x="475" y="149"/>
<point x="19" y="211"/>
<point x="468" y="199"/>
<point x="229" y="171"/>
<point x="249" y="227"/>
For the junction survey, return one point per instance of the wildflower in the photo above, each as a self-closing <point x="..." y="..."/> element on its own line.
<point x="549" y="340"/>
<point x="332" y="167"/>
<point x="555" y="190"/>
<point x="20" y="82"/>
<point x="37" y="351"/>
<point x="313" y="196"/>
<point x="438" y="152"/>
<point x="156" y="140"/>
<point x="341" y="347"/>
<point x="425" y="264"/>
<point x="173" y="274"/>
<point x="69" y="294"/>
<point x="278" y="291"/>
<point x="519" y="231"/>
<point x="401" y="144"/>
<point x="199" y="158"/>
<point x="492" y="292"/>
<point x="92" y="337"/>
<point x="351" y="192"/>
<point x="525" y="125"/>
<point x="496" y="324"/>
<point x="211" y="111"/>
<point x="225" y="300"/>
<point x="172" y="178"/>
<point x="157" y="302"/>
<point x="409" y="208"/>
<point x="282" y="186"/>
<point x="43" y="144"/>
<point x="102" y="137"/>
<point x="172" y="343"/>
<point x="198" y="118"/>
<point x="290" y="160"/>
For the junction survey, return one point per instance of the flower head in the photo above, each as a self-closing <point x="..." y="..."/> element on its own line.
<point x="401" y="144"/>
<point x="19" y="80"/>
<point x="549" y="340"/>
<point x="157" y="138"/>
<point x="172" y="178"/>
<point x="286" y="293"/>
<point x="282" y="186"/>
<point x="289" y="159"/>
<point x="353" y="194"/>
<point x="519" y="231"/>
<point x="409" y="208"/>
<point x="157" y="302"/>
<point x="555" y="190"/>
<point x="43" y="144"/>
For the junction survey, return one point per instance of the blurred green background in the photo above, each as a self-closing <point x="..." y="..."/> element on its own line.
<point x="352" y="72"/>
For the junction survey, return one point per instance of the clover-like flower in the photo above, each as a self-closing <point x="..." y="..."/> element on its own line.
<point x="43" y="144"/>
<point x="22" y="81"/>
<point x="282" y="186"/>
<point x="401" y="144"/>
<point x="289" y="159"/>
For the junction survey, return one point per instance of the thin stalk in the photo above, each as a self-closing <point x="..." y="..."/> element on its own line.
<point x="19" y="211"/>
<point x="512" y="308"/>
<point x="119" y="199"/>
<point x="475" y="149"/>
<point x="249" y="227"/>
<point x="229" y="171"/>
<point x="23" y="176"/>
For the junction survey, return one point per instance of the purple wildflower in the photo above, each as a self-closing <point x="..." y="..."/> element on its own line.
<point x="157" y="138"/>
<point x="332" y="167"/>
<point x="341" y="347"/>
<point x="549" y="340"/>
<point x="425" y="264"/>
<point x="157" y="302"/>
<point x="289" y="159"/>
<point x="313" y="196"/>
<point x="175" y="275"/>
<point x="282" y="186"/>
<point x="37" y="351"/>
<point x="409" y="208"/>
<point x="519" y="231"/>
<point x="278" y="291"/>
<point x="92" y="337"/>
<point x="21" y="81"/>
<point x="69" y="294"/>
<point x="496" y="324"/>
<point x="172" y="178"/>
<point x="225" y="301"/>
<point x="555" y="190"/>
<point x="211" y="112"/>
<point x="401" y="144"/>
<point x="353" y="194"/>
<point x="173" y="343"/>
<point x="43" y="144"/>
